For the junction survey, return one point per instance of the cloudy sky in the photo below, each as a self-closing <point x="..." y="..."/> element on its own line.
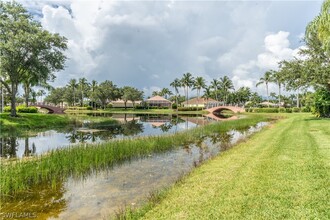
<point x="147" y="44"/>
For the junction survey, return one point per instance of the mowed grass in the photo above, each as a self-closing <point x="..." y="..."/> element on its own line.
<point x="282" y="172"/>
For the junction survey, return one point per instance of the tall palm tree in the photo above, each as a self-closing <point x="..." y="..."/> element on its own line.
<point x="278" y="79"/>
<point x="267" y="78"/>
<point x="92" y="94"/>
<point x="83" y="86"/>
<point x="176" y="84"/>
<point x="40" y="93"/>
<point x="73" y="85"/>
<point x="225" y="85"/>
<point x="207" y="93"/>
<point x="215" y="84"/>
<point x="187" y="81"/>
<point x="198" y="85"/>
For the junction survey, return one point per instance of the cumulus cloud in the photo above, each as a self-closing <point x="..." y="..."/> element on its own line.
<point x="147" y="44"/>
<point x="276" y="49"/>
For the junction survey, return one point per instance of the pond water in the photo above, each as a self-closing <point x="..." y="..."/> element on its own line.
<point x="103" y="194"/>
<point x="120" y="126"/>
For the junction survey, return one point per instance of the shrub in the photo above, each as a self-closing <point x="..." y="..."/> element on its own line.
<point x="265" y="110"/>
<point x="174" y="106"/>
<point x="288" y="110"/>
<point x="321" y="107"/>
<point x="281" y="110"/>
<point x="189" y="108"/>
<point x="295" y="109"/>
<point x="22" y="109"/>
<point x="77" y="108"/>
<point x="306" y="109"/>
<point x="7" y="109"/>
<point x="89" y="108"/>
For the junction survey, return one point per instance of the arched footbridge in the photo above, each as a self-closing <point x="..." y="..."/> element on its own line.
<point x="234" y="109"/>
<point x="51" y="109"/>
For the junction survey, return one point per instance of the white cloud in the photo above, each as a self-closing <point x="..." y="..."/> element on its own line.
<point x="147" y="44"/>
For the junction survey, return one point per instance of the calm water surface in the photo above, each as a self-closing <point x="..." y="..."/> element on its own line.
<point x="123" y="126"/>
<point x="102" y="194"/>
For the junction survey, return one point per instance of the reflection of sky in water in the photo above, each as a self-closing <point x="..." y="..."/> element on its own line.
<point x="103" y="193"/>
<point x="48" y="140"/>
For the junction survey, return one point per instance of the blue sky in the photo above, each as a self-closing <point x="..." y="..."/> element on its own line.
<point x="147" y="44"/>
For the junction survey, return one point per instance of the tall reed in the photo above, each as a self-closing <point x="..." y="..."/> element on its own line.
<point x="77" y="161"/>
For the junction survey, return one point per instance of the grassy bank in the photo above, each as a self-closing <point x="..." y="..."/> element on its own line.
<point x="78" y="161"/>
<point x="32" y="120"/>
<point x="282" y="172"/>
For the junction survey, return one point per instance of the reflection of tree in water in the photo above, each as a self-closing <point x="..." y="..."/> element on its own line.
<point x="8" y="146"/>
<point x="43" y="201"/>
<point x="223" y="139"/>
<point x="166" y="127"/>
<point x="131" y="128"/>
<point x="27" y="151"/>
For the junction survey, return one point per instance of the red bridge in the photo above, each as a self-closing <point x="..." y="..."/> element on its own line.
<point x="51" y="109"/>
<point x="222" y="108"/>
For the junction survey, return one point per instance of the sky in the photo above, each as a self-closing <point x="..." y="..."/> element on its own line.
<point x="147" y="44"/>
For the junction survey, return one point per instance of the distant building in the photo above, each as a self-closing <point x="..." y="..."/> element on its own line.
<point x="158" y="101"/>
<point x="121" y="104"/>
<point x="201" y="103"/>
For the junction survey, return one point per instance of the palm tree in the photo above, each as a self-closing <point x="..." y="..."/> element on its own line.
<point x="73" y="85"/>
<point x="83" y="85"/>
<point x="92" y="94"/>
<point x="164" y="92"/>
<point x="226" y="84"/>
<point x="187" y="81"/>
<point x="267" y="78"/>
<point x="176" y="84"/>
<point x="278" y="79"/>
<point x="198" y="85"/>
<point x="207" y="93"/>
<point x="40" y="93"/>
<point x="215" y="84"/>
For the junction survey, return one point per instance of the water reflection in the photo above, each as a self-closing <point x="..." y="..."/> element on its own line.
<point x="111" y="126"/>
<point x="101" y="194"/>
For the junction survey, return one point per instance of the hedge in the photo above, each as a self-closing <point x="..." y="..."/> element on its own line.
<point x="22" y="109"/>
<point x="189" y="108"/>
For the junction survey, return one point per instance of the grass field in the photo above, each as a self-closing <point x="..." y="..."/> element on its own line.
<point x="32" y="120"/>
<point x="282" y="172"/>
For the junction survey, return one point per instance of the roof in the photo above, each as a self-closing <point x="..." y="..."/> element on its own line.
<point x="158" y="98"/>
<point x="200" y="101"/>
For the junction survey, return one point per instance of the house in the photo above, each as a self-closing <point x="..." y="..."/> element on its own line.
<point x="201" y="103"/>
<point x="121" y="104"/>
<point x="158" y="101"/>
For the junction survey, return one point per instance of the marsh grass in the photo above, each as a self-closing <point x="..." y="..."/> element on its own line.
<point x="77" y="161"/>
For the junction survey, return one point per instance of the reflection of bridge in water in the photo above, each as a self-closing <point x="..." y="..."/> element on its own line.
<point x="219" y="109"/>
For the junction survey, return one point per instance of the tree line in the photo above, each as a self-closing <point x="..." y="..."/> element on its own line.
<point x="96" y="94"/>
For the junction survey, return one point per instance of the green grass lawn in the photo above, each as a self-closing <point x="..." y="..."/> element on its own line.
<point x="282" y="172"/>
<point x="32" y="120"/>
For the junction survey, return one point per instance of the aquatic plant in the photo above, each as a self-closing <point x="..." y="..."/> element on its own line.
<point x="77" y="161"/>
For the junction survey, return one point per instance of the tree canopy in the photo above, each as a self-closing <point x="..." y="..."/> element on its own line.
<point x="26" y="49"/>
